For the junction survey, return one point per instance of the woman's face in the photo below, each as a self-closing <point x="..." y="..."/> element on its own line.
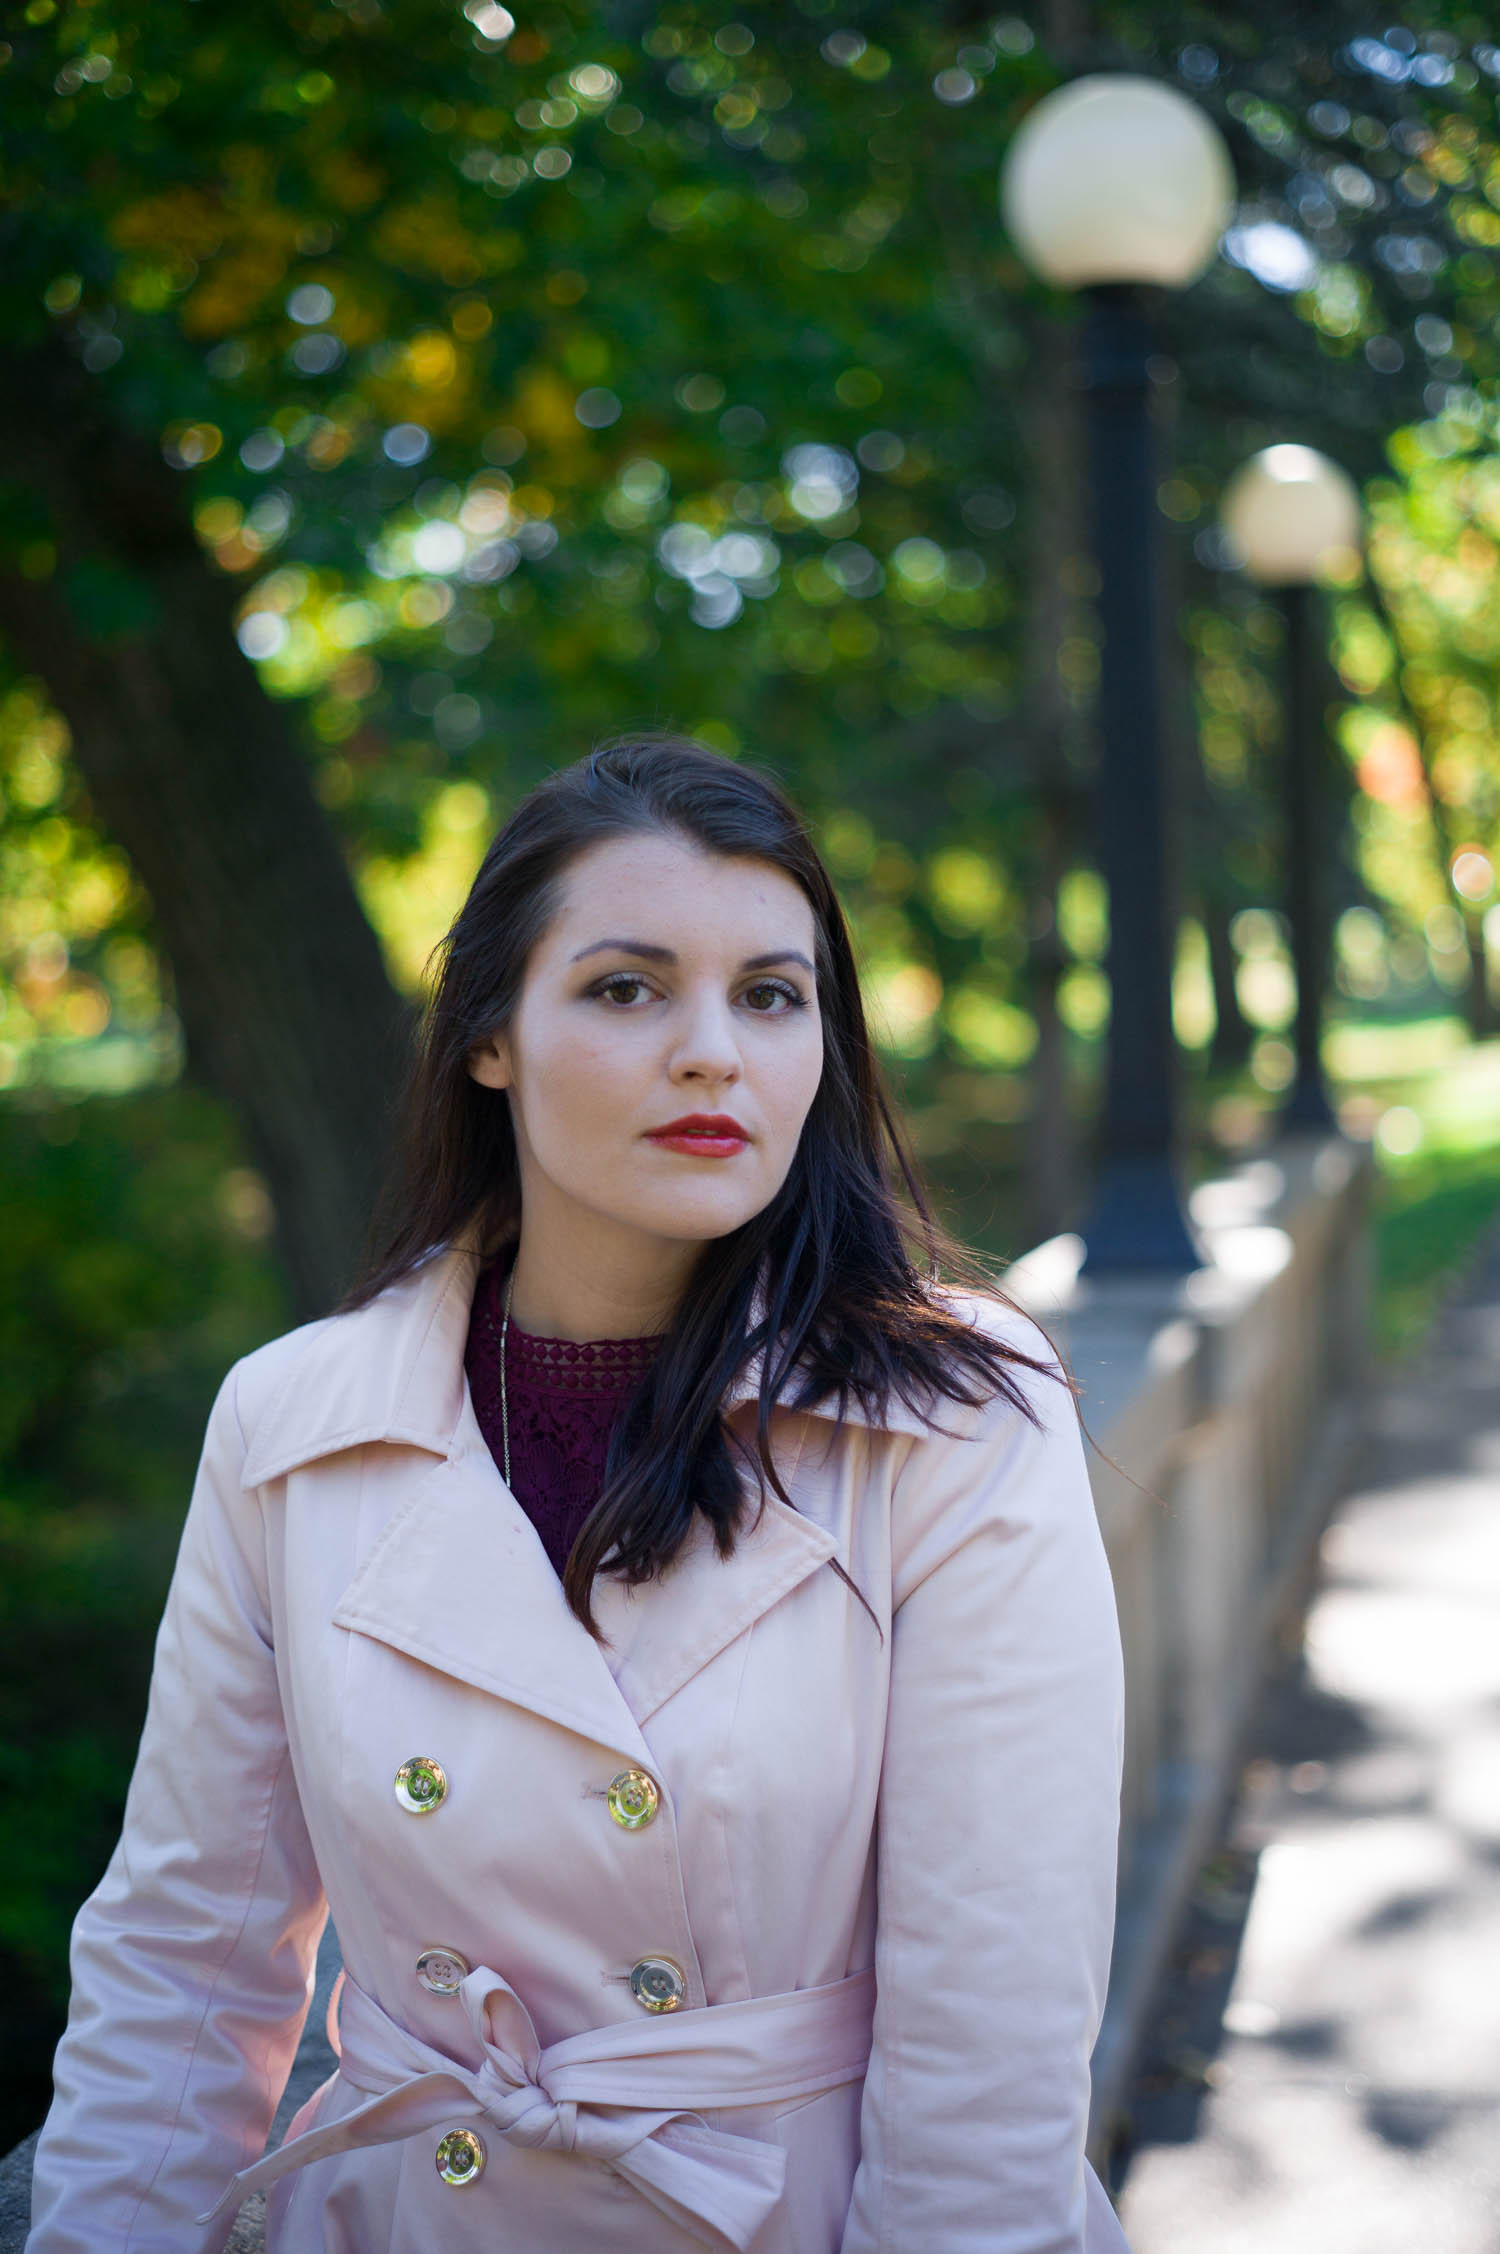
<point x="672" y="985"/>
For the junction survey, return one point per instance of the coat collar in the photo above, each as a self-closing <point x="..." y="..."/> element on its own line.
<point x="393" y="1371"/>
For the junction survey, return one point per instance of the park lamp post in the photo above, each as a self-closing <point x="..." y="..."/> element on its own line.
<point x="1118" y="186"/>
<point x="1292" y="515"/>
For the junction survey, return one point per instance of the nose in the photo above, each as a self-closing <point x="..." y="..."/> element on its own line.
<point x="706" y="1050"/>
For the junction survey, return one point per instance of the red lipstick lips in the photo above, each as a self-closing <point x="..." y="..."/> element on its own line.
<point x="702" y="1134"/>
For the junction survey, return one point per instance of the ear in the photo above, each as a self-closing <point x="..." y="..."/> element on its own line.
<point x="489" y="1062"/>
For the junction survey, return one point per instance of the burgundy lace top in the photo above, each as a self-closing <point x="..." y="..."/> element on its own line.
<point x="563" y="1399"/>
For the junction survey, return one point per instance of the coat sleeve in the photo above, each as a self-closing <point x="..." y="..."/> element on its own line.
<point x="192" y="1960"/>
<point x="997" y="1840"/>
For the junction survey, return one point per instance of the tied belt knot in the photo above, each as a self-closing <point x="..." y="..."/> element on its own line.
<point x="624" y="2095"/>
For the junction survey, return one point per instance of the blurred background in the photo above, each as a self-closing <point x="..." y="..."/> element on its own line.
<point x="398" y="397"/>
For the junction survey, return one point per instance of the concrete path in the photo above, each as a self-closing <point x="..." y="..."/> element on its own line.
<point x="1323" y="2074"/>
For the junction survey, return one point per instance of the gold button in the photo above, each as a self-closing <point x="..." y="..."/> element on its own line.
<point x="421" y="1785"/>
<point x="460" y="2157"/>
<point x="657" y="1984"/>
<point x="633" y="1799"/>
<point x="442" y="1970"/>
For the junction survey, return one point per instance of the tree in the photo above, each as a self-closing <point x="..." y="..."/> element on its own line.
<point x="284" y="999"/>
<point x="523" y="378"/>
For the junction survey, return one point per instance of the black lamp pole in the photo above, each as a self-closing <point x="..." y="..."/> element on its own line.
<point x="1137" y="1219"/>
<point x="1307" y="1102"/>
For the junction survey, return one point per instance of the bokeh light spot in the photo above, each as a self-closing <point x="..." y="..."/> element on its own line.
<point x="597" y="408"/>
<point x="406" y="443"/>
<point x="1472" y="873"/>
<point x="310" y="304"/>
<point x="1399" y="1132"/>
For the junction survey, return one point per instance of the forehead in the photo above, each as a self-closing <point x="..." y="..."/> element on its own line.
<point x="675" y="893"/>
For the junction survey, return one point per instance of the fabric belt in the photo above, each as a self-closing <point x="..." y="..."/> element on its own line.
<point x="626" y="2094"/>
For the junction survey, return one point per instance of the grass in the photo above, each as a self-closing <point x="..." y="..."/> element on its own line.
<point x="1427" y="1223"/>
<point x="1432" y="1099"/>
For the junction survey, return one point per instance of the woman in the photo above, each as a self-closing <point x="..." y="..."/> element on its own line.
<point x="668" y="1628"/>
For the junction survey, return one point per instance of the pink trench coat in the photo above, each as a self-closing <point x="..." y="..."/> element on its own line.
<point x="796" y="1800"/>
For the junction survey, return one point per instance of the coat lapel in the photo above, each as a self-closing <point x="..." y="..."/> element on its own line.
<point x="458" y="1579"/>
<point x="659" y="1635"/>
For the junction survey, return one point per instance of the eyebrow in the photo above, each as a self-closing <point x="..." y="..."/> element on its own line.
<point x="653" y="954"/>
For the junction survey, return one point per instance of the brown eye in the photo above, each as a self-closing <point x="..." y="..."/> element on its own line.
<point x="621" y="990"/>
<point x="778" y="998"/>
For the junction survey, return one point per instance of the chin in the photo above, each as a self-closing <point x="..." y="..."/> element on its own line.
<point x="701" y="1226"/>
<point x="689" y="1218"/>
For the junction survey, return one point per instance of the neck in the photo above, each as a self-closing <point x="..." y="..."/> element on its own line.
<point x="586" y="1289"/>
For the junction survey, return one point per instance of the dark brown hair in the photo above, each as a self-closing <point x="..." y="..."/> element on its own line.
<point x="847" y="1308"/>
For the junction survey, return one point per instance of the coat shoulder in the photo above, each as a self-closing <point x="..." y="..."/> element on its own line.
<point x="1034" y="1363"/>
<point x="392" y="1368"/>
<point x="1001" y="1318"/>
<point x="260" y="1375"/>
<point x="1007" y="1469"/>
<point x="931" y="1415"/>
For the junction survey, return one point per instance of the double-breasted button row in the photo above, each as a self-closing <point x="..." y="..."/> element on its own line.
<point x="633" y="1796"/>
<point x="657" y="1983"/>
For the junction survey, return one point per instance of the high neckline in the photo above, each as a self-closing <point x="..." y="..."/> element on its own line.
<point x="564" y="1397"/>
<point x="573" y="1365"/>
<point x="597" y="1366"/>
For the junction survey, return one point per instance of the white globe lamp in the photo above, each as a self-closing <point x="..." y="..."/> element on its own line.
<point x="1292" y="516"/>
<point x="1116" y="178"/>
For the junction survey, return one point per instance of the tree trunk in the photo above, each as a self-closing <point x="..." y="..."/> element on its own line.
<point x="280" y="984"/>
<point x="1481" y="1004"/>
<point x="1233" y="1033"/>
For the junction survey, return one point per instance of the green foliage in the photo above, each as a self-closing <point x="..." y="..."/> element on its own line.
<point x="1431" y="1100"/>
<point x="79" y="984"/>
<point x="534" y="385"/>
<point x="1428" y="1223"/>
<point x="600" y="288"/>
<point x="668" y="363"/>
<point x="132" y="1271"/>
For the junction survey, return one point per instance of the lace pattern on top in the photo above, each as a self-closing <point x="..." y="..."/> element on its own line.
<point x="563" y="1398"/>
<point x="565" y="1365"/>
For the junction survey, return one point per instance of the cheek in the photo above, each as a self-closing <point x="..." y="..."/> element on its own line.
<point x="791" y="1076"/>
<point x="578" y="1084"/>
